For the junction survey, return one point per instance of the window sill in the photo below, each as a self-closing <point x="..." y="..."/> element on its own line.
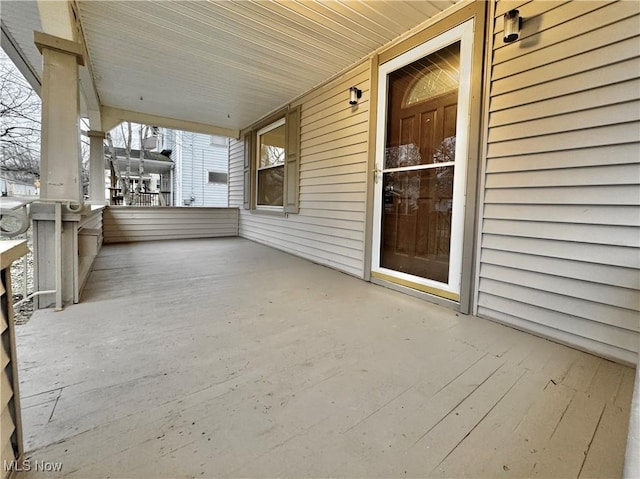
<point x="266" y="212"/>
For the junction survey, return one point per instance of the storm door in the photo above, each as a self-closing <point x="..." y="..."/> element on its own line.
<point x="421" y="164"/>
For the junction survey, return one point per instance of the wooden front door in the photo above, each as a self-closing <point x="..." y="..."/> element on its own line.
<point x="416" y="217"/>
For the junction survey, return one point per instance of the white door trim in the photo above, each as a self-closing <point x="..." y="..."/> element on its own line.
<point x="464" y="34"/>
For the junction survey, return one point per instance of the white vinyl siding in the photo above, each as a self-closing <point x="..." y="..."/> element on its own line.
<point x="195" y="155"/>
<point x="560" y="243"/>
<point x="329" y="228"/>
<point x="90" y="239"/>
<point x="130" y="223"/>
<point x="236" y="173"/>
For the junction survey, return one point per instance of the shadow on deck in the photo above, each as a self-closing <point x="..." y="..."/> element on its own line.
<point x="225" y="358"/>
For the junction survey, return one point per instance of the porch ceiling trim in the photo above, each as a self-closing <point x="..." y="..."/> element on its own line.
<point x="384" y="50"/>
<point x="14" y="52"/>
<point x="214" y="67"/>
<point x="112" y="117"/>
<point x="229" y="64"/>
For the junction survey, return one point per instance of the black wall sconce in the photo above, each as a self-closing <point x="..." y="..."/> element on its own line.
<point x="354" y="95"/>
<point x="512" y="26"/>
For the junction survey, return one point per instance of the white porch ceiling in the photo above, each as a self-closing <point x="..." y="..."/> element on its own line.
<point x="228" y="63"/>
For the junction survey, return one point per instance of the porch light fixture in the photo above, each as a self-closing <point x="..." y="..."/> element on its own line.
<point x="512" y="26"/>
<point x="354" y="95"/>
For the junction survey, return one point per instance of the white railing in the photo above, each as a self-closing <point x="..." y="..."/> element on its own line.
<point x="15" y="224"/>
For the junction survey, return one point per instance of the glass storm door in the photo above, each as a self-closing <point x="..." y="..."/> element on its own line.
<point x="421" y="164"/>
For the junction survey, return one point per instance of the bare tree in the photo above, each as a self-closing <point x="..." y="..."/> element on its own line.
<point x="122" y="138"/>
<point x="20" y="113"/>
<point x="143" y="134"/>
<point x="18" y="164"/>
<point x="20" y="117"/>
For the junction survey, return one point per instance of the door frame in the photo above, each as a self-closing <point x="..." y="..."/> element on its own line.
<point x="450" y="290"/>
<point x="457" y="15"/>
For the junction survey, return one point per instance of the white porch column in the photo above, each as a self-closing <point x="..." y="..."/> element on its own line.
<point x="96" y="167"/>
<point x="172" y="200"/>
<point x="55" y="227"/>
<point x="60" y="165"/>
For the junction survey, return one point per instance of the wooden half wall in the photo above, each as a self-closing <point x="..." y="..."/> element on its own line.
<point x="123" y="224"/>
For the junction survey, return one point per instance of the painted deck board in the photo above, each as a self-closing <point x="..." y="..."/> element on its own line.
<point x="226" y="358"/>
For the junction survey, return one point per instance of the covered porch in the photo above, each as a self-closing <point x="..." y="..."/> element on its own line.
<point x="232" y="359"/>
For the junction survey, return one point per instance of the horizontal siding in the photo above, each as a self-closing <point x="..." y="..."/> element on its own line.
<point x="577" y="195"/>
<point x="551" y="318"/>
<point x="236" y="172"/>
<point x="576" y="28"/>
<point x="329" y="229"/>
<point x="126" y="224"/>
<point x="599" y="96"/>
<point x="604" y="349"/>
<point x="618" y="215"/>
<point x="560" y="247"/>
<point x="586" y="252"/>
<point x="199" y="157"/>
<point x="556" y="160"/>
<point x="90" y="240"/>
<point x="578" y="233"/>
<point x="94" y="221"/>
<point x="565" y="85"/>
<point x="583" y="310"/>
<point x="216" y="194"/>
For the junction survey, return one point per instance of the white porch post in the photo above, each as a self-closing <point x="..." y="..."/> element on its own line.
<point x="172" y="200"/>
<point x="96" y="167"/>
<point x="55" y="226"/>
<point x="60" y="165"/>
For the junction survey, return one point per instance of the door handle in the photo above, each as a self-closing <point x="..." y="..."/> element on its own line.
<point x="377" y="172"/>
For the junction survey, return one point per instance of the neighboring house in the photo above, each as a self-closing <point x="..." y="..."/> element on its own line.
<point x="201" y="173"/>
<point x="13" y="187"/>
<point x="156" y="180"/>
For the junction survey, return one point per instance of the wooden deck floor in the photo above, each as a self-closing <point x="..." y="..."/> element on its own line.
<point x="225" y="358"/>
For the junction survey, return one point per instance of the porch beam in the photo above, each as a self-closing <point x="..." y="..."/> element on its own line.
<point x="55" y="234"/>
<point x="112" y="117"/>
<point x="89" y="92"/>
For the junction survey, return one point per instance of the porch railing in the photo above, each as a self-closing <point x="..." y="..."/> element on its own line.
<point x="147" y="198"/>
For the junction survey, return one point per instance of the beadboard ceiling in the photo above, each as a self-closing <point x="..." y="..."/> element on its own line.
<point x="227" y="63"/>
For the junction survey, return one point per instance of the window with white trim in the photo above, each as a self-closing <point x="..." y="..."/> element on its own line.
<point x="272" y="165"/>
<point x="270" y="162"/>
